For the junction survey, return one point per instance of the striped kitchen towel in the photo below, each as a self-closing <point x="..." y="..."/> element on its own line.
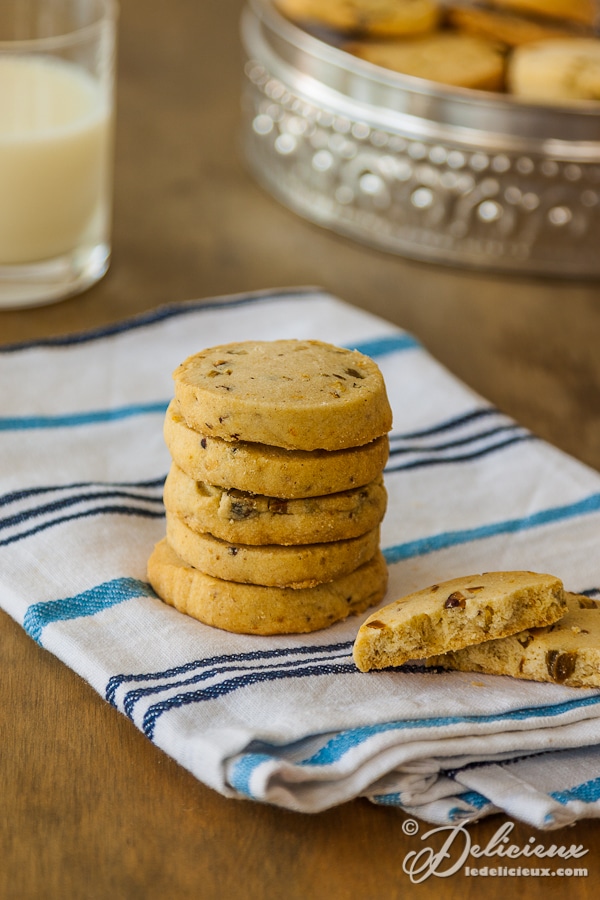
<point x="288" y="720"/>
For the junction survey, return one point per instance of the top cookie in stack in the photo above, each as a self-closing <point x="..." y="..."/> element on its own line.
<point x="275" y="495"/>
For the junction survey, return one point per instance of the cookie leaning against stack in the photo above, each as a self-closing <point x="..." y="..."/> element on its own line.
<point x="275" y="493"/>
<point x="517" y="624"/>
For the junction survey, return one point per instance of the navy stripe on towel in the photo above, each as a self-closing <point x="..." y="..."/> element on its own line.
<point x="27" y="516"/>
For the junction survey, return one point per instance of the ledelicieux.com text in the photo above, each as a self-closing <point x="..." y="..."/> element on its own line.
<point x="458" y="848"/>
<point x="524" y="872"/>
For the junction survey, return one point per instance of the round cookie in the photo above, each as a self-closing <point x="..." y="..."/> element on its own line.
<point x="378" y="18"/>
<point x="582" y="12"/>
<point x="458" y="60"/>
<point x="300" y="395"/>
<point x="272" y="471"/>
<point x="508" y="28"/>
<point x="242" y="517"/>
<point x="251" y="609"/>
<point x="558" y="71"/>
<point x="275" y="565"/>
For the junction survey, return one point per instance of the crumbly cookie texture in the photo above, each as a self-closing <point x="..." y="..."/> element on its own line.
<point x="556" y="71"/>
<point x="275" y="565"/>
<point x="382" y="18"/>
<point x="567" y="652"/>
<point x="247" y="518"/>
<point x="458" y="60"/>
<point x="300" y="395"/>
<point x="252" y="609"/>
<point x="262" y="469"/>
<point x="456" y="614"/>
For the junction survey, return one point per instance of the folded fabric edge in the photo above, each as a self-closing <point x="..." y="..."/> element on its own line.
<point x="166" y="311"/>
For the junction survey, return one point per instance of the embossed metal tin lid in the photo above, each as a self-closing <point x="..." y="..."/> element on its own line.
<point x="445" y="174"/>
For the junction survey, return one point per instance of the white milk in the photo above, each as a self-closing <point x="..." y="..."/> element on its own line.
<point x="54" y="140"/>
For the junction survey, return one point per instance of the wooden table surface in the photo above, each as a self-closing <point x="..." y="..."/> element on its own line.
<point x="96" y="811"/>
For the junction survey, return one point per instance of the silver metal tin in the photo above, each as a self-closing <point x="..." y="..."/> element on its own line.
<point x="452" y="176"/>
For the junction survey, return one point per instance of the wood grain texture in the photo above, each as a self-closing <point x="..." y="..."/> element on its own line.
<point x="93" y="809"/>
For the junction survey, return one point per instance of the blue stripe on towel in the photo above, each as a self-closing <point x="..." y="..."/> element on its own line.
<point x="456" y="422"/>
<point x="475" y="800"/>
<point x="169" y="311"/>
<point x="65" y="502"/>
<point x="399" y="449"/>
<point x="222" y="688"/>
<point x="344" y="742"/>
<point x="70" y="420"/>
<point x="446" y="539"/>
<point x="244" y="769"/>
<point x="133" y="696"/>
<point x="26" y="493"/>
<point x="376" y="347"/>
<point x="394" y="554"/>
<point x="221" y="660"/>
<point x="588" y="792"/>
<point x="88" y="603"/>
<point x="389" y="344"/>
<point x="383" y="346"/>
<point x="472" y="799"/>
<point x="109" y="510"/>
<point x="425" y="460"/>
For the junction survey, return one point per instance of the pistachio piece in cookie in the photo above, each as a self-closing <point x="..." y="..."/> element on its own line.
<point x="457" y="613"/>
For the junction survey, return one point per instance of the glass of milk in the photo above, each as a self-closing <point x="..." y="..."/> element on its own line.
<point x="57" y="62"/>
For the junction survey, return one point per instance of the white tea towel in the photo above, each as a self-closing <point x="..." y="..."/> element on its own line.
<point x="289" y="720"/>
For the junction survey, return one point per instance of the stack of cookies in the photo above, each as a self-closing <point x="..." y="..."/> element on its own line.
<point x="275" y="494"/>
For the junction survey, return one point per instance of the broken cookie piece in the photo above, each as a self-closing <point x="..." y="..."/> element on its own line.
<point x="567" y="652"/>
<point x="456" y="614"/>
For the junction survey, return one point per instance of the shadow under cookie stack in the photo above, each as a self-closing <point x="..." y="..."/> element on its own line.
<point x="275" y="494"/>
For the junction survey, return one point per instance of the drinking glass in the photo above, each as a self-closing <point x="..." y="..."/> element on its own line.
<point x="57" y="75"/>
